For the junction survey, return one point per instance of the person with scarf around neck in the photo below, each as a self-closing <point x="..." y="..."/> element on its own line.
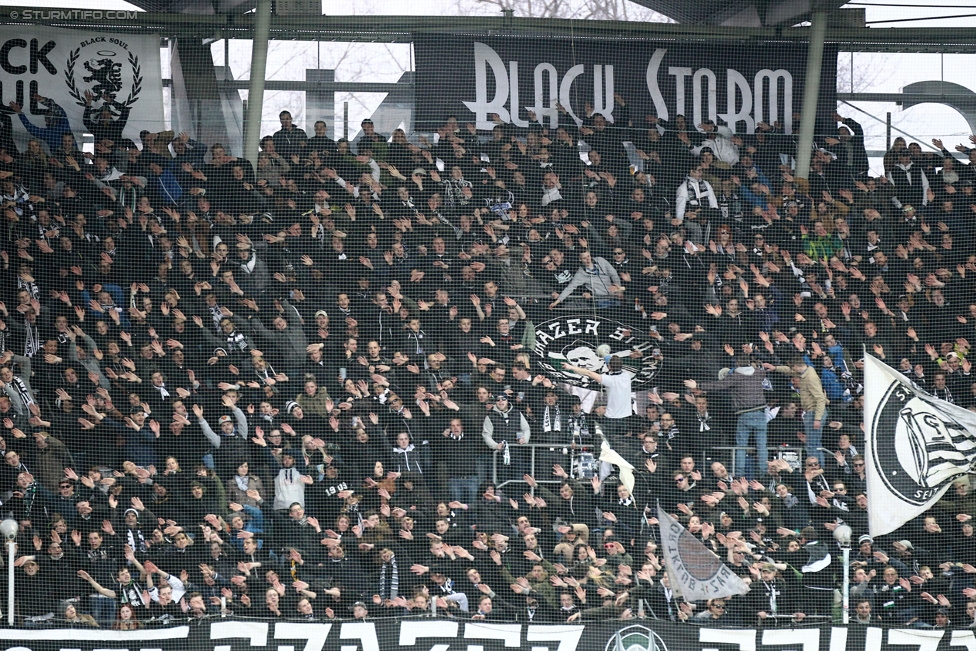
<point x="132" y="530"/>
<point x="17" y="386"/>
<point x="772" y="596"/>
<point x="504" y="427"/>
<point x="239" y="487"/>
<point x="620" y="510"/>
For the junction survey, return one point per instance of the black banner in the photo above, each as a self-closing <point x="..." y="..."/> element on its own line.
<point x="424" y="634"/>
<point x="739" y="82"/>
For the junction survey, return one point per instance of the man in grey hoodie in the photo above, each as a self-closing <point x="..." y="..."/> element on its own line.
<point x="600" y="279"/>
<point x="747" y="393"/>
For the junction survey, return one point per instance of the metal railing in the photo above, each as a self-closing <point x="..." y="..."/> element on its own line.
<point x="791" y="454"/>
<point x="570" y="452"/>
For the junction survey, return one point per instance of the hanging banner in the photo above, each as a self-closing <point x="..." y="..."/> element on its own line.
<point x="423" y="634"/>
<point x="916" y="446"/>
<point x="739" y="83"/>
<point x="64" y="64"/>
<point x="588" y="342"/>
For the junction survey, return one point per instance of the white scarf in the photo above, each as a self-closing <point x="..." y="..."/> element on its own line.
<point x="31" y="288"/>
<point x="32" y="343"/>
<point x="248" y="267"/>
<point x="553" y="423"/>
<point x="703" y="422"/>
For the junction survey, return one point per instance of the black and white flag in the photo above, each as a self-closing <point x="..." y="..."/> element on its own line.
<point x="916" y="446"/>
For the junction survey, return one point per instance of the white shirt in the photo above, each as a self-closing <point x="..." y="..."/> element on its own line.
<point x="618" y="394"/>
<point x="288" y="488"/>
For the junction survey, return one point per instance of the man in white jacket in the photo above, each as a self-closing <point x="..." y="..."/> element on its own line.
<point x="720" y="139"/>
<point x="693" y="195"/>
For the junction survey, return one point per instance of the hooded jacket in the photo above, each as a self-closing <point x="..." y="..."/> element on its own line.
<point x="745" y="387"/>
<point x="597" y="280"/>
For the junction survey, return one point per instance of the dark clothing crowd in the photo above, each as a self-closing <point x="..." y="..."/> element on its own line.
<point x="307" y="388"/>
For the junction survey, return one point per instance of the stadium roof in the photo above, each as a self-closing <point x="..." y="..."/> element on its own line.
<point x="740" y="13"/>
<point x="200" y="7"/>
<point x="729" y="13"/>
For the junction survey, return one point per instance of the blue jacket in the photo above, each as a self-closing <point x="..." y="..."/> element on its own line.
<point x="832" y="385"/>
<point x="254" y="523"/>
<point x="50" y="135"/>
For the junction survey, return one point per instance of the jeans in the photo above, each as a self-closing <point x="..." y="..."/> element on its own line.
<point x="464" y="489"/>
<point x="814" y="436"/>
<point x="753" y="422"/>
<point x="103" y="610"/>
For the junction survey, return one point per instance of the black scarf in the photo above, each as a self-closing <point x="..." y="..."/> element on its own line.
<point x="21" y="388"/>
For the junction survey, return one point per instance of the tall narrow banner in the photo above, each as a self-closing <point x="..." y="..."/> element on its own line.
<point x="64" y="64"/>
<point x="511" y="77"/>
<point x="695" y="572"/>
<point x="916" y="446"/>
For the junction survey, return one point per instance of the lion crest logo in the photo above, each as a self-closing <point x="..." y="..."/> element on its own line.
<point x="107" y="77"/>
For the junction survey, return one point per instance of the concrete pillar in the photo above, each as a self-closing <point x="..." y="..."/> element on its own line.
<point x="255" y="94"/>
<point x="811" y="94"/>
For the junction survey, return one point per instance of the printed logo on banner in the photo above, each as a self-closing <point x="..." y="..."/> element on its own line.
<point x="575" y="340"/>
<point x="917" y="448"/>
<point x="102" y="61"/>
<point x="636" y="638"/>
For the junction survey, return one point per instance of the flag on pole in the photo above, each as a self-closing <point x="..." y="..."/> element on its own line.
<point x="916" y="446"/>
<point x="695" y="572"/>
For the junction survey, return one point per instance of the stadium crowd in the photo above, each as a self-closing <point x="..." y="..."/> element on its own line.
<point x="284" y="391"/>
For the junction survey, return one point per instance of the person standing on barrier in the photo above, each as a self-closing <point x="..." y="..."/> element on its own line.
<point x="745" y="386"/>
<point x="504" y="427"/>
<point x="619" y="412"/>
<point x="813" y="401"/>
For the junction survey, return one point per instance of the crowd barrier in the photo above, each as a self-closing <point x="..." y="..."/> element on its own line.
<point x="543" y="455"/>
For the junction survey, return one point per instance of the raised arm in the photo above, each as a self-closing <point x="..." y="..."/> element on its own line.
<point x="596" y="377"/>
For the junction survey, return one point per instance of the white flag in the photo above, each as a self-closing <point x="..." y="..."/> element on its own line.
<point x="916" y="446"/>
<point x="695" y="572"/>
